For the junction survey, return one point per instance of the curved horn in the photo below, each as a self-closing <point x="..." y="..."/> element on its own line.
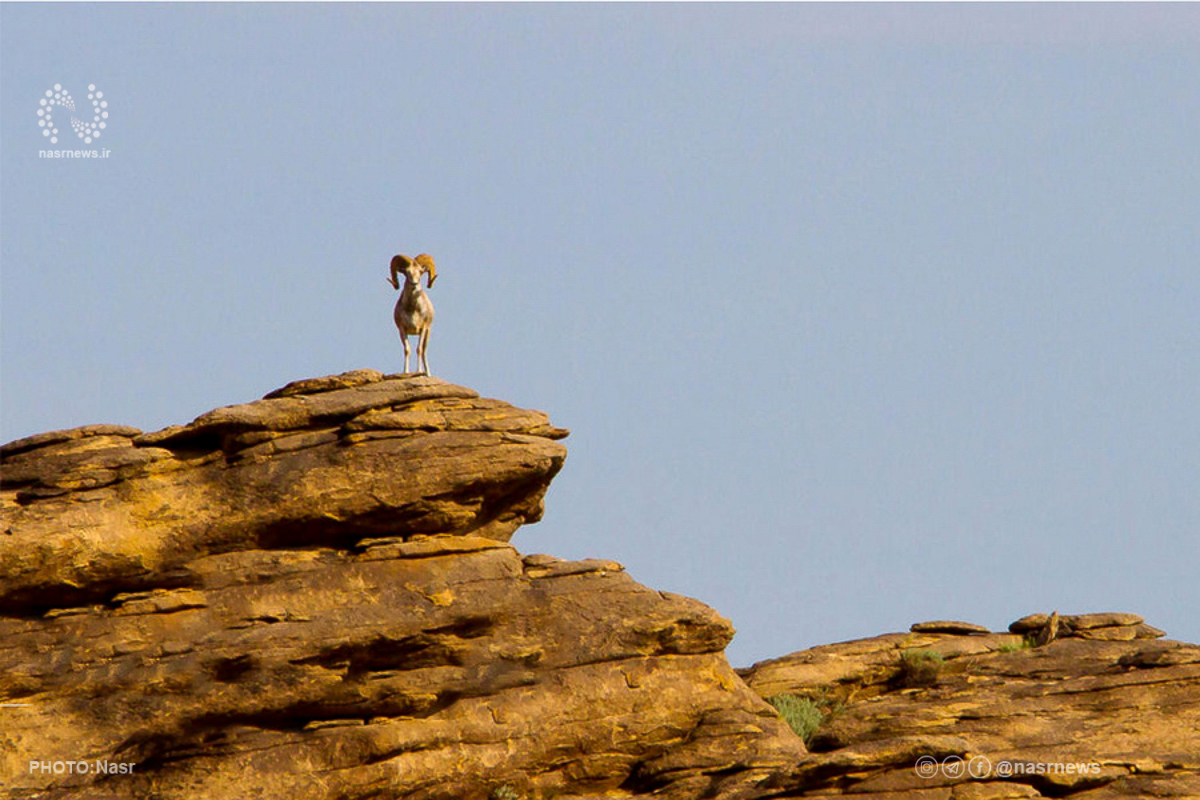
<point x="426" y="261"/>
<point x="399" y="264"/>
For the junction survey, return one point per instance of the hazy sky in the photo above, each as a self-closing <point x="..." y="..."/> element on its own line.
<point x="859" y="315"/>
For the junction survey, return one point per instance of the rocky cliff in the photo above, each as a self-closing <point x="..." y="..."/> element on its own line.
<point x="312" y="596"/>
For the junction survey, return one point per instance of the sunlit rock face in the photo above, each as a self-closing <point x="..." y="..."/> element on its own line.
<point x="312" y="596"/>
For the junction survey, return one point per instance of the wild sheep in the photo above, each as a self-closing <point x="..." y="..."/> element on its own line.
<point x="414" y="309"/>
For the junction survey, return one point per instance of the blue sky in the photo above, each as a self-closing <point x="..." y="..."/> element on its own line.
<point x="860" y="315"/>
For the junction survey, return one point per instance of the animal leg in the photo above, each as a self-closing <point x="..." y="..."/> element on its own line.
<point x="404" y="340"/>
<point x="422" y="345"/>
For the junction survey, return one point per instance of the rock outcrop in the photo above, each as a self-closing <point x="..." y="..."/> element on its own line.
<point x="104" y="509"/>
<point x="1102" y="709"/>
<point x="312" y="596"/>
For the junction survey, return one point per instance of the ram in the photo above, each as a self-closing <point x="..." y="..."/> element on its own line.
<point x="414" y="309"/>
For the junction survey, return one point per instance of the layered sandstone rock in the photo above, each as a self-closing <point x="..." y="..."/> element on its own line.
<point x="1104" y="709"/>
<point x="311" y="596"/>
<point x="95" y="511"/>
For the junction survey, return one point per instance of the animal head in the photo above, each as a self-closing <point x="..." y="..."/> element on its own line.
<point x="411" y="269"/>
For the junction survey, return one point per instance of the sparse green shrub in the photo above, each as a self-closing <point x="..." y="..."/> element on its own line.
<point x="802" y="714"/>
<point x="505" y="792"/>
<point x="1012" y="647"/>
<point x="920" y="668"/>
